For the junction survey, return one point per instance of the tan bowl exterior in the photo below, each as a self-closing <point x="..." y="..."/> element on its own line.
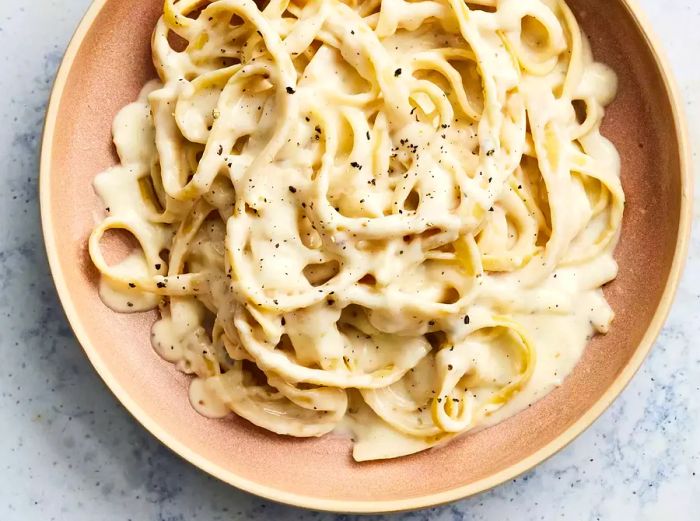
<point x="104" y="68"/>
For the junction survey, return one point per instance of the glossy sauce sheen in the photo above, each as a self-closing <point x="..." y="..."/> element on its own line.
<point x="402" y="274"/>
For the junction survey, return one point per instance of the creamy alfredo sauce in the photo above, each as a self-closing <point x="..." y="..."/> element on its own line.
<point x="384" y="218"/>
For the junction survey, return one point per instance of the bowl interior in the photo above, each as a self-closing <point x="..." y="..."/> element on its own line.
<point x="106" y="69"/>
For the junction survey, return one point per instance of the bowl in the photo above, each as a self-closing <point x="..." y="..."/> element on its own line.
<point x="106" y="64"/>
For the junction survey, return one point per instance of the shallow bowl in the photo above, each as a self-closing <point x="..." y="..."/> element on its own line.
<point x="106" y="64"/>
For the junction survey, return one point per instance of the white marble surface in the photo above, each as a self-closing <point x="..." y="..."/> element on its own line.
<point x="69" y="451"/>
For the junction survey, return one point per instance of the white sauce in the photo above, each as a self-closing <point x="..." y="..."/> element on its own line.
<point x="387" y="221"/>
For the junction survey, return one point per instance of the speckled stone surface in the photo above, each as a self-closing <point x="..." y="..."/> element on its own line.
<point x="69" y="451"/>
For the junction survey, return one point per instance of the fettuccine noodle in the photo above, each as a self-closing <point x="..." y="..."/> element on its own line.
<point x="385" y="217"/>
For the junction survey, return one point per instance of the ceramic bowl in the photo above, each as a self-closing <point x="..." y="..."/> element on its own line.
<point x="106" y="64"/>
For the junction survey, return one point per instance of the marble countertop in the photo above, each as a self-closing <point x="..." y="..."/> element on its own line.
<point x="69" y="451"/>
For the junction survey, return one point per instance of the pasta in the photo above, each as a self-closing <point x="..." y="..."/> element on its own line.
<point x="391" y="218"/>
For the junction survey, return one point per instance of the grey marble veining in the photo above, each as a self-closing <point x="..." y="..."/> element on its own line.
<point x="69" y="451"/>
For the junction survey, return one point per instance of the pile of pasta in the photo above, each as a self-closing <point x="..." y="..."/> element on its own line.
<point x="346" y="204"/>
